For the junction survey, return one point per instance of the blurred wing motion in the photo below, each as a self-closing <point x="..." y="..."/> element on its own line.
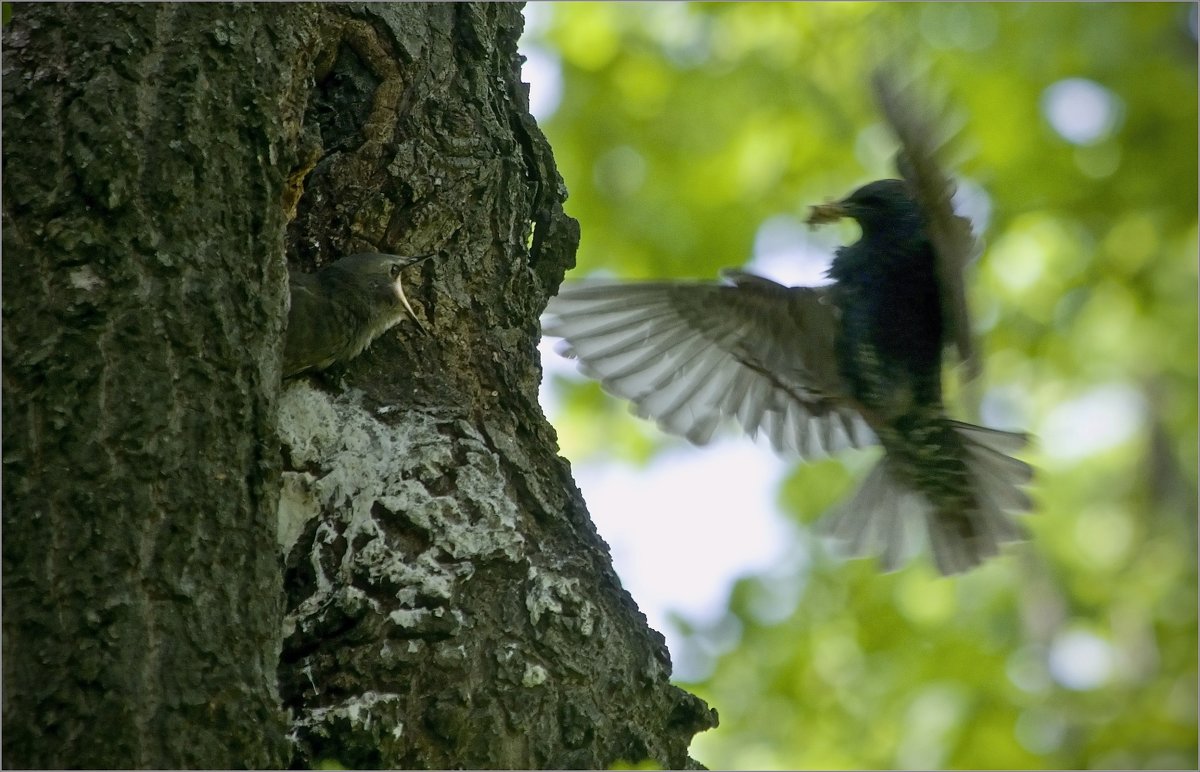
<point x="818" y="369"/>
<point x="688" y="354"/>
<point x="921" y="138"/>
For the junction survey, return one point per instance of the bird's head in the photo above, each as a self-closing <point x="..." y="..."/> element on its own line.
<point x="377" y="276"/>
<point x="880" y="207"/>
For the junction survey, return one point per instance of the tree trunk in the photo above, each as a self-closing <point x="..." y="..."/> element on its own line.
<point x="442" y="599"/>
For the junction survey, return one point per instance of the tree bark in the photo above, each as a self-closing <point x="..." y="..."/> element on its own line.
<point x="144" y="296"/>
<point x="443" y="599"/>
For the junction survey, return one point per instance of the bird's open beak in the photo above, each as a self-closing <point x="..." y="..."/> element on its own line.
<point x="408" y="308"/>
<point x="419" y="259"/>
<point x="825" y="213"/>
<point x="404" y="301"/>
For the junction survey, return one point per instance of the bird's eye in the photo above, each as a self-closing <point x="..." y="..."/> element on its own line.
<point x="395" y="270"/>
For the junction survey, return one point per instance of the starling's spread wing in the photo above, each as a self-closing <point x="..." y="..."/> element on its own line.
<point x="921" y="138"/>
<point x="688" y="354"/>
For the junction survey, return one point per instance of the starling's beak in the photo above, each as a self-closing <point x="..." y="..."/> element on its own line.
<point x="825" y="213"/>
<point x="404" y="301"/>
<point x="418" y="259"/>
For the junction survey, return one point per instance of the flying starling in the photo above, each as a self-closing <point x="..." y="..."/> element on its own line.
<point x="817" y="369"/>
<point x="336" y="312"/>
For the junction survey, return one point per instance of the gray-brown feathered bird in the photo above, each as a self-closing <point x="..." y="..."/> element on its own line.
<point x="821" y="368"/>
<point x="336" y="312"/>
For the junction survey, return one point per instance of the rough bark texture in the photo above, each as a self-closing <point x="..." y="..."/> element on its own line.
<point x="446" y="601"/>
<point x="144" y="293"/>
<point x="449" y="602"/>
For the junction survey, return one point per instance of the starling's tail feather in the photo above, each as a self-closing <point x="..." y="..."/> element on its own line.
<point x="885" y="516"/>
<point x="880" y="518"/>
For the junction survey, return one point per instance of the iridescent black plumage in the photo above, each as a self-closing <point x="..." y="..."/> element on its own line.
<point x="889" y="350"/>
<point x="820" y="368"/>
<point x="891" y="336"/>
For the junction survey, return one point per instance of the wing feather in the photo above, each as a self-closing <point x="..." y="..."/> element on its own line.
<point x="922" y="138"/>
<point x="691" y="354"/>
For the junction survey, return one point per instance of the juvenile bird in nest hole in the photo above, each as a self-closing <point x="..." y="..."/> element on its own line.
<point x="336" y="312"/>
<point x="817" y="369"/>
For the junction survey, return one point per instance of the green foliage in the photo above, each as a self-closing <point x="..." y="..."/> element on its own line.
<point x="684" y="127"/>
<point x="648" y="764"/>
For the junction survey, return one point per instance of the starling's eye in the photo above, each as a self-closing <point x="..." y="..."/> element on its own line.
<point x="395" y="270"/>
